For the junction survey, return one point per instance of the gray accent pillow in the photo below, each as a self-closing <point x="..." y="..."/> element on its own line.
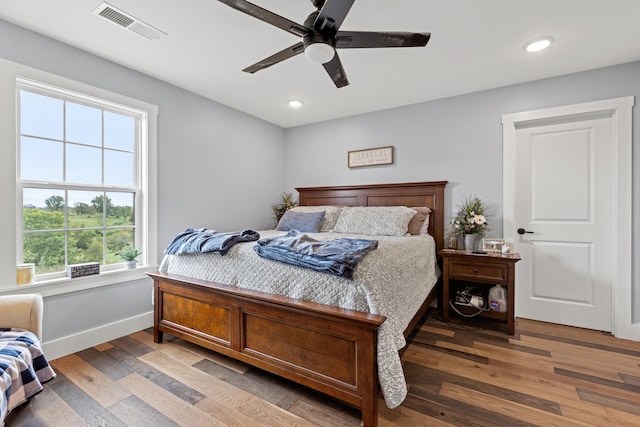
<point x="307" y="222"/>
<point x="331" y="214"/>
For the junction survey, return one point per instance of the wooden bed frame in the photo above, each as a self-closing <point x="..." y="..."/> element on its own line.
<point x="326" y="348"/>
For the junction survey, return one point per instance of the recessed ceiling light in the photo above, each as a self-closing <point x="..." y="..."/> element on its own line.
<point x="536" y="45"/>
<point x="295" y="104"/>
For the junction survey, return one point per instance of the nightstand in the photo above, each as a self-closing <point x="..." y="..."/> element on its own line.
<point x="461" y="268"/>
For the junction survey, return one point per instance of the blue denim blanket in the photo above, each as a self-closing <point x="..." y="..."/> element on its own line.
<point x="203" y="240"/>
<point x="339" y="257"/>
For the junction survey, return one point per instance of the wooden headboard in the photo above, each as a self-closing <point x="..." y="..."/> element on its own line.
<point x="412" y="194"/>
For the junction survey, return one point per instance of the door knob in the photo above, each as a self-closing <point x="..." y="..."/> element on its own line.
<point x="522" y="231"/>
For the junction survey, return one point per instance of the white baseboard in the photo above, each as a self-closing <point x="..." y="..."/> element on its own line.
<point x="82" y="340"/>
<point x="628" y="332"/>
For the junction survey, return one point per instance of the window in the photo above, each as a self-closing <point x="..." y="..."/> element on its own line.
<point x="80" y="179"/>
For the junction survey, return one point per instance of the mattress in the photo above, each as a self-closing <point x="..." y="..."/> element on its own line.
<point x="392" y="280"/>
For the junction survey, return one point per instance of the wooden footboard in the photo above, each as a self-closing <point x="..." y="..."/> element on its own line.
<point x="328" y="349"/>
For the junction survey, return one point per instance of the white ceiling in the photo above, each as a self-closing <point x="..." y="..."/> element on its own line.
<point x="475" y="45"/>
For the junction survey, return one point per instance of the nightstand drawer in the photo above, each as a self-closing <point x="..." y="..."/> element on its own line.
<point x="478" y="271"/>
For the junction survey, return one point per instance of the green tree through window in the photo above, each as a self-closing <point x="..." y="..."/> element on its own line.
<point x="55" y="203"/>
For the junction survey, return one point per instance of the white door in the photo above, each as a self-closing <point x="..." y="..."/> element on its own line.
<point x="564" y="183"/>
<point x="561" y="191"/>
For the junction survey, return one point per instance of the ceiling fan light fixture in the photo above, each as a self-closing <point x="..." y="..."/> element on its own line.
<point x="319" y="53"/>
<point x="536" y="45"/>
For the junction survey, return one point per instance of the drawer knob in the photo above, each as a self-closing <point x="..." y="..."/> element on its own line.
<point x="476" y="270"/>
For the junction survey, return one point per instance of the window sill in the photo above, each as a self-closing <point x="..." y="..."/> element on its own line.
<point x="66" y="285"/>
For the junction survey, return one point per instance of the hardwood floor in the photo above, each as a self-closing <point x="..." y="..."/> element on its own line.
<point x="461" y="373"/>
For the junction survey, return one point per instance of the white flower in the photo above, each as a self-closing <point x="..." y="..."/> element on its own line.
<point x="479" y="219"/>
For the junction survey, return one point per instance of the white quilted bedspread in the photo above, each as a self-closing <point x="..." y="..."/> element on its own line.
<point x="393" y="280"/>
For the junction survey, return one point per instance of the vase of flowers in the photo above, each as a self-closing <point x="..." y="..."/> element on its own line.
<point x="287" y="202"/>
<point x="470" y="242"/>
<point x="470" y="221"/>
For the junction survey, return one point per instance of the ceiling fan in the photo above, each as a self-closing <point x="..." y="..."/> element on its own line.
<point x="321" y="36"/>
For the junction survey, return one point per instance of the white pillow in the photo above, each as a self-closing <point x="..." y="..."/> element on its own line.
<point x="375" y="220"/>
<point x="331" y="214"/>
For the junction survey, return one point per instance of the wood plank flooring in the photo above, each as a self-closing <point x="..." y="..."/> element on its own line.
<point x="461" y="373"/>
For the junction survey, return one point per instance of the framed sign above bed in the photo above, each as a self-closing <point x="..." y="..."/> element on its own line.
<point x="370" y="157"/>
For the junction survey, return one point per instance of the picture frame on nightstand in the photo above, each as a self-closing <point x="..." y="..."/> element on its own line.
<point x="491" y="245"/>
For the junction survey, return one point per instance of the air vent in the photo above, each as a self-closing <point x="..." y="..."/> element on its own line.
<point x="127" y="21"/>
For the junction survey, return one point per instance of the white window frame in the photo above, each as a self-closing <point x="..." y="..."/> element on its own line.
<point x="146" y="198"/>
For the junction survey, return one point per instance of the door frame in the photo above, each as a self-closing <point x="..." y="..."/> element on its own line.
<point x="620" y="111"/>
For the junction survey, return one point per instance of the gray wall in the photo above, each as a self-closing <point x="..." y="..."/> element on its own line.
<point x="207" y="177"/>
<point x="458" y="139"/>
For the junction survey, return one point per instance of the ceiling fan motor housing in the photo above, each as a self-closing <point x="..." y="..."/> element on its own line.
<point x="316" y="37"/>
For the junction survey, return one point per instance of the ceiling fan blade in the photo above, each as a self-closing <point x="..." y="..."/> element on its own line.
<point x="266" y="16"/>
<point x="336" y="71"/>
<point x="332" y="15"/>
<point x="287" y="53"/>
<point x="365" y="39"/>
